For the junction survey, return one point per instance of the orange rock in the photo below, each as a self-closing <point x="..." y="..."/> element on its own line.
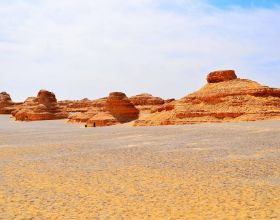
<point x="115" y="109"/>
<point x="102" y="119"/>
<point x="221" y="76"/>
<point x="6" y="104"/>
<point x="5" y="101"/>
<point x="146" y="103"/>
<point x="96" y="107"/>
<point x="42" y="107"/>
<point x="227" y="100"/>
<point x="77" y="105"/>
<point x="121" y="107"/>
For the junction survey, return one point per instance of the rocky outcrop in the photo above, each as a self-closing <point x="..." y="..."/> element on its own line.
<point x="121" y="107"/>
<point x="115" y="109"/>
<point x="221" y="76"/>
<point x="225" y="98"/>
<point x="97" y="106"/>
<point x="5" y="102"/>
<point x="42" y="107"/>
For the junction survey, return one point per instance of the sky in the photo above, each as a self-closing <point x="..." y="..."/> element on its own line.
<point x="88" y="48"/>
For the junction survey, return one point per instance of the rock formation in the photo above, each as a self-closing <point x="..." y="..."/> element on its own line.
<point x="145" y="102"/>
<point x="225" y="98"/>
<point x="42" y="107"/>
<point x="97" y="106"/>
<point x="6" y="104"/>
<point x="5" y="101"/>
<point x="221" y="76"/>
<point x="77" y="105"/>
<point x="115" y="109"/>
<point x="121" y="107"/>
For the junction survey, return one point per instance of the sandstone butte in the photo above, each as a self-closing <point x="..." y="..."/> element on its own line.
<point x="42" y="107"/>
<point x="224" y="98"/>
<point x="6" y="104"/>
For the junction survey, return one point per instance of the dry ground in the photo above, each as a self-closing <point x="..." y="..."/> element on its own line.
<point x="54" y="170"/>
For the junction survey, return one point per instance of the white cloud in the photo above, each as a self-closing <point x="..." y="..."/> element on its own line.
<point x="88" y="48"/>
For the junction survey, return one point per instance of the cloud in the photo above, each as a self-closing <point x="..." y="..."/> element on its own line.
<point x="88" y="48"/>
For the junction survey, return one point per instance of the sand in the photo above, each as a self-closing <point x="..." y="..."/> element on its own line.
<point x="54" y="170"/>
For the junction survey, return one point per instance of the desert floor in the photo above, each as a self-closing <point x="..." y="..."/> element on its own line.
<point x="54" y="170"/>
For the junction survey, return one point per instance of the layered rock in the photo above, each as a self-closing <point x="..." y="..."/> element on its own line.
<point x="225" y="98"/>
<point x="221" y="76"/>
<point x="115" y="109"/>
<point x="42" y="107"/>
<point x="145" y="102"/>
<point x="97" y="106"/>
<point x="121" y="107"/>
<point x="76" y="105"/>
<point x="5" y="102"/>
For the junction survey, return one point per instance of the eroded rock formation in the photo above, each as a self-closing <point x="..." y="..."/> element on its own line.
<point x="145" y="102"/>
<point x="121" y="107"/>
<point x="225" y="98"/>
<point x="42" y="107"/>
<point x="76" y="105"/>
<point x="5" y="102"/>
<point x="115" y="109"/>
<point x="221" y="76"/>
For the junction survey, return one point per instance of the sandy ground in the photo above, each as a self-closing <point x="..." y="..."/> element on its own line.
<point x="54" y="170"/>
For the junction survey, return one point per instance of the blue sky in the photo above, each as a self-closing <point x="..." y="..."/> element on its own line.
<point x="244" y="3"/>
<point x="89" y="48"/>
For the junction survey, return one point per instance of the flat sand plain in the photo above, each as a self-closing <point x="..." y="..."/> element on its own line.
<point x="54" y="170"/>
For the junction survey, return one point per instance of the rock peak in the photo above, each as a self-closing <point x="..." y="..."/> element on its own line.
<point x="221" y="76"/>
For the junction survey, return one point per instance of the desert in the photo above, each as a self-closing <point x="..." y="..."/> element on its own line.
<point x="142" y="109"/>
<point x="53" y="170"/>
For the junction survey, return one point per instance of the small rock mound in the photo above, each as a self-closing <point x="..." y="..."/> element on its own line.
<point x="42" y="107"/>
<point x="221" y="76"/>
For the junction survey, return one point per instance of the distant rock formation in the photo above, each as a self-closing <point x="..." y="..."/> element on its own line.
<point x="42" y="107"/>
<point x="225" y="98"/>
<point x="121" y="107"/>
<point x="6" y="104"/>
<point x="115" y="109"/>
<point x="5" y="101"/>
<point x="96" y="107"/>
<point x="145" y="102"/>
<point x="76" y="105"/>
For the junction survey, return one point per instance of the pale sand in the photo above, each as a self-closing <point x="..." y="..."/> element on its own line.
<point x="54" y="170"/>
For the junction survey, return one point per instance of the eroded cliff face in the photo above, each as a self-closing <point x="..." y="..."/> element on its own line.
<point x="225" y="98"/>
<point x="42" y="107"/>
